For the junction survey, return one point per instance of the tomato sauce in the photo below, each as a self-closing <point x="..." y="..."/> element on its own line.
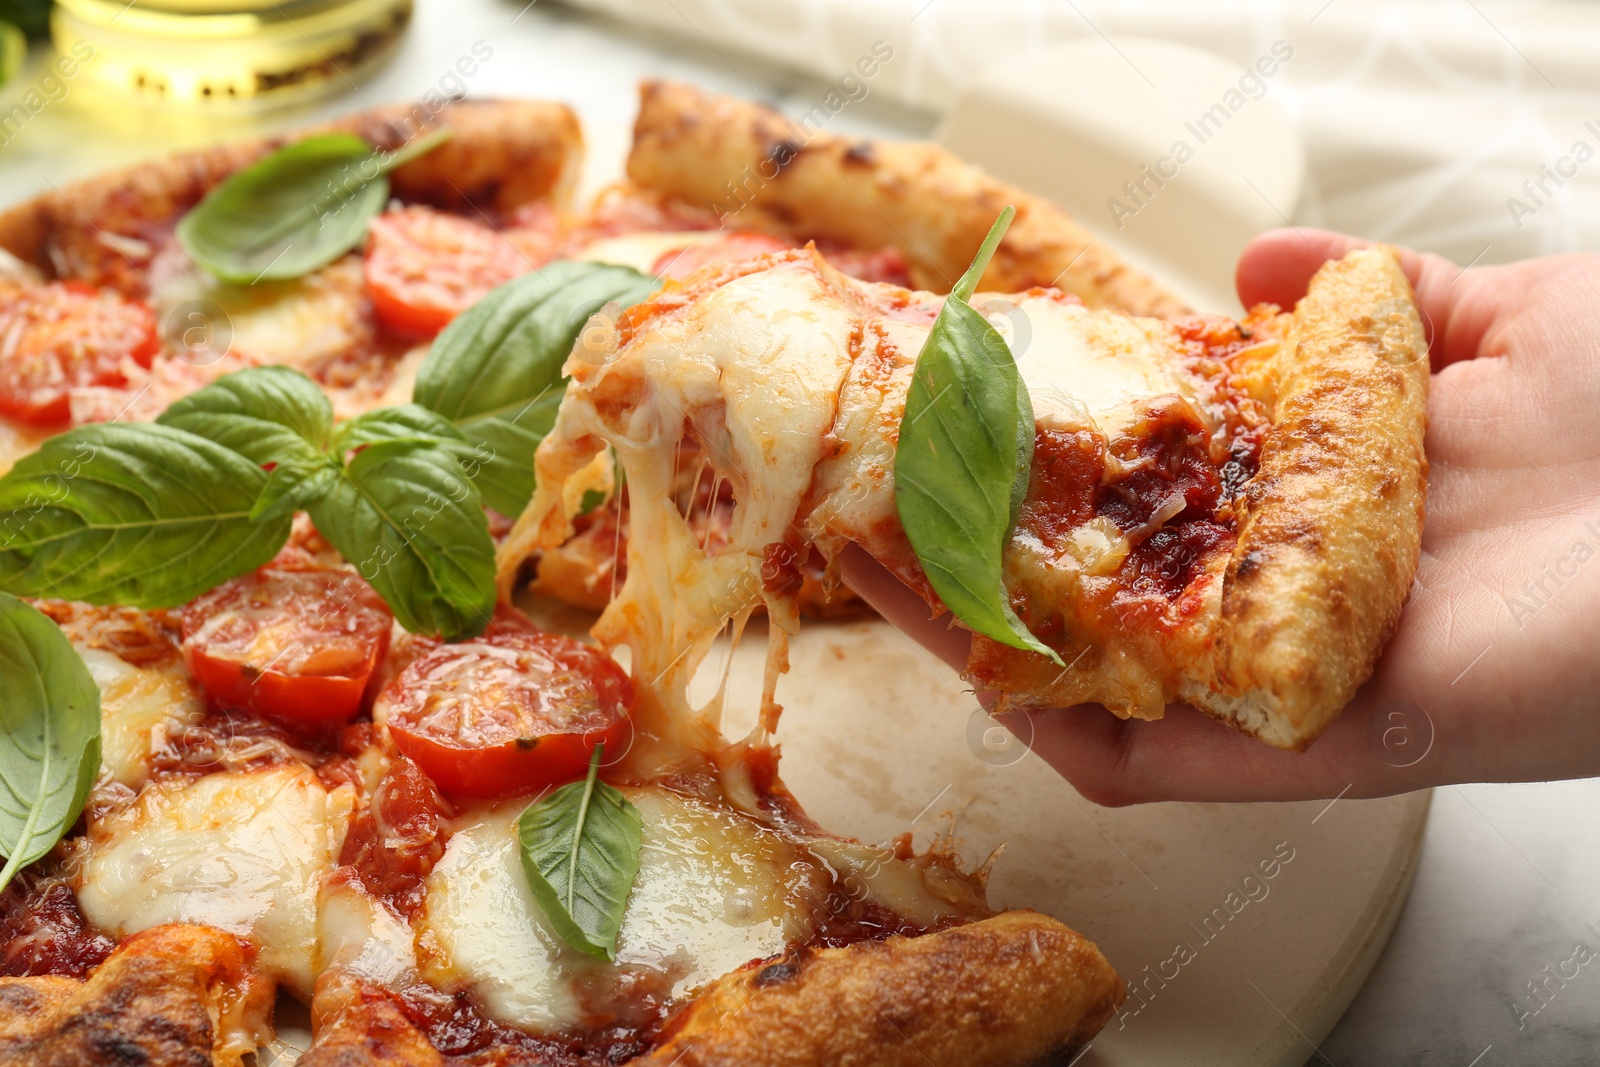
<point x="1166" y="458"/>
<point x="1170" y="481"/>
<point x="394" y="842"/>
<point x="1065" y="478"/>
<point x="43" y="932"/>
<point x="780" y="570"/>
<point x="457" y="1027"/>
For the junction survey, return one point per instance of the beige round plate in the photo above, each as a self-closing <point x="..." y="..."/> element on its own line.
<point x="1230" y="966"/>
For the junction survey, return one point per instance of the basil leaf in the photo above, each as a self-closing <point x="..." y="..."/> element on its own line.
<point x="496" y="369"/>
<point x="50" y="717"/>
<point x="502" y="452"/>
<point x="964" y="455"/>
<point x="144" y="515"/>
<point x="293" y="487"/>
<point x="298" y="209"/>
<point x="268" y="414"/>
<point x="580" y="852"/>
<point x="406" y="515"/>
<point x="408" y="422"/>
<point x="275" y="416"/>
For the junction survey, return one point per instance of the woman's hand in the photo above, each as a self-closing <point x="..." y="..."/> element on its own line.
<point x="1494" y="671"/>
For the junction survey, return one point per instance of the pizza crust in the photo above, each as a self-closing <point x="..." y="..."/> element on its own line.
<point x="502" y="154"/>
<point x="757" y="170"/>
<point x="171" y="996"/>
<point x="1331" y="525"/>
<point x="1019" y="988"/>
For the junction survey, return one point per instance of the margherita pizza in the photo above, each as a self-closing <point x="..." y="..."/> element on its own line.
<point x="289" y="426"/>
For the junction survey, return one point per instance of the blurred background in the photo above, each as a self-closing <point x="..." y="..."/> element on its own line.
<point x="1466" y="127"/>
<point x="1462" y="126"/>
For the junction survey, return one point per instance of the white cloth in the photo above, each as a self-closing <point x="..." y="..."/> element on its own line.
<point x="1440" y="124"/>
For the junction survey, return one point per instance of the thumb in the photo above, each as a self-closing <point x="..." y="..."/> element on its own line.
<point x="1457" y="306"/>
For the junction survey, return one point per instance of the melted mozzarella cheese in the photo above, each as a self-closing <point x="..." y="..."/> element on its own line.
<point x="642" y="251"/>
<point x="359" y="936"/>
<point x="296" y="322"/>
<point x="714" y="891"/>
<point x="138" y="707"/>
<point x="1094" y="370"/>
<point x="756" y="368"/>
<point x="874" y="873"/>
<point x="242" y="851"/>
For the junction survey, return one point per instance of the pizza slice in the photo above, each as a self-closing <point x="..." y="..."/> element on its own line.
<point x="715" y="179"/>
<point x="1226" y="514"/>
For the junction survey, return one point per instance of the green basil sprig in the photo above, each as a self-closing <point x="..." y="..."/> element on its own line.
<point x="273" y="416"/>
<point x="495" y="371"/>
<point x="403" y="510"/>
<point x="580" y="852"/>
<point x="298" y="209"/>
<point x="50" y="716"/>
<point x="153" y="515"/>
<point x="406" y="515"/>
<point x="130" y="513"/>
<point x="408" y="422"/>
<point x="965" y="451"/>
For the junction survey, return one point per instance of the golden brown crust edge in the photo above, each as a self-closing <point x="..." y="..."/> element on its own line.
<point x="163" y="999"/>
<point x="503" y="153"/>
<point x="763" y="172"/>
<point x="359" y="1025"/>
<point x="1013" y="990"/>
<point x="1332" y="522"/>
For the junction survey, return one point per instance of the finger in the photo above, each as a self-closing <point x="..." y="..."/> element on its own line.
<point x="1370" y="750"/>
<point x="903" y="609"/>
<point x="1457" y="307"/>
<point x="1190" y="756"/>
<point x="1276" y="267"/>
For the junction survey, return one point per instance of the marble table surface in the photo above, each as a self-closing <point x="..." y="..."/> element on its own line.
<point x="1496" y="958"/>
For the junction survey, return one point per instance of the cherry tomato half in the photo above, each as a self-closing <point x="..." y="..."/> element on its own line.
<point x="63" y="335"/>
<point x="292" y="641"/>
<point x="512" y="712"/>
<point x="425" y="267"/>
<point x="734" y="248"/>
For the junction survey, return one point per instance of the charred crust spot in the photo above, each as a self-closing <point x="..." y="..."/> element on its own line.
<point x="776" y="973"/>
<point x="782" y="153"/>
<point x="861" y="154"/>
<point x="1249" y="563"/>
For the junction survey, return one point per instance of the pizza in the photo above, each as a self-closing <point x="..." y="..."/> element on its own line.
<point x="270" y="414"/>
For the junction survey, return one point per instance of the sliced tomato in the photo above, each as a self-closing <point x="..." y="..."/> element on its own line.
<point x="425" y="267"/>
<point x="733" y="248"/>
<point x="62" y="335"/>
<point x="512" y="712"/>
<point x="293" y="641"/>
